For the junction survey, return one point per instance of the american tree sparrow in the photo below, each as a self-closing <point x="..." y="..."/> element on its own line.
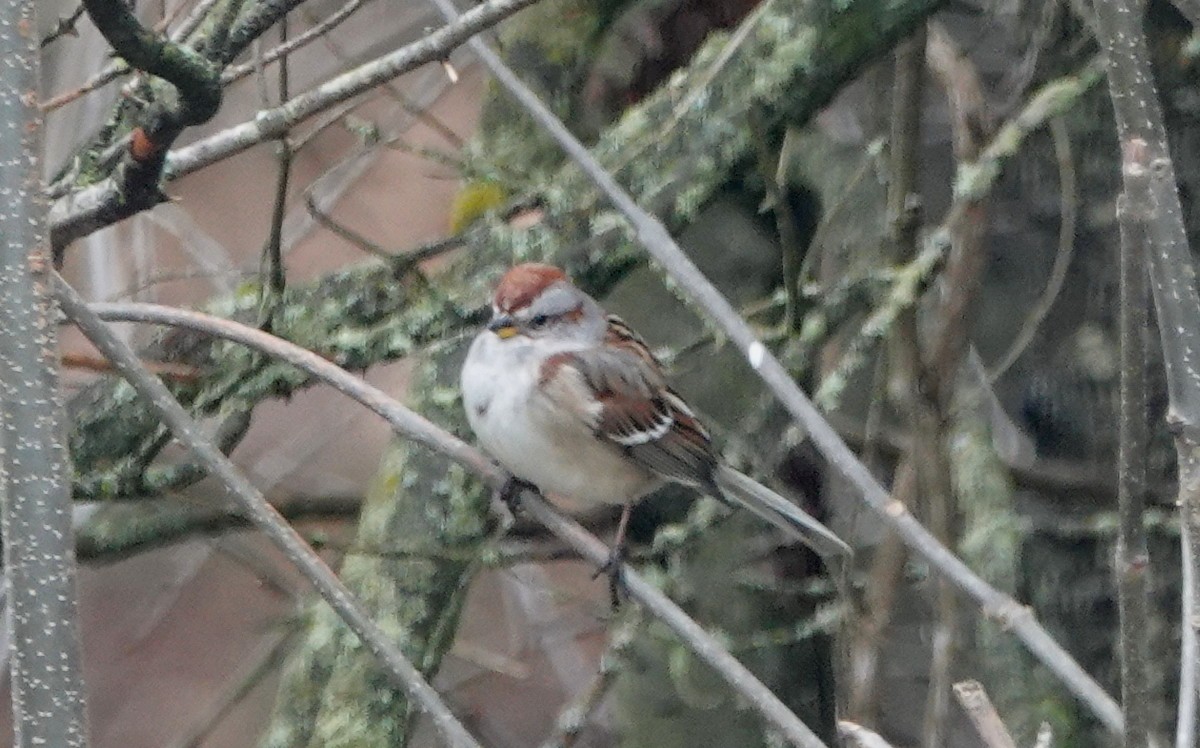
<point x="571" y="400"/>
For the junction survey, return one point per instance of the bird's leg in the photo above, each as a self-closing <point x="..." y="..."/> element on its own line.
<point x="510" y="492"/>
<point x="616" y="559"/>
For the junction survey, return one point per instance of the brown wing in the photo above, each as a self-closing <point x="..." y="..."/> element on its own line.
<point x="632" y="408"/>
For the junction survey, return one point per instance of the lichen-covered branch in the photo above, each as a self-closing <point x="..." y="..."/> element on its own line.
<point x="668" y="150"/>
<point x="656" y="240"/>
<point x="399" y="670"/>
<point x="107" y="201"/>
<point x="193" y="76"/>
<point x="195" y="98"/>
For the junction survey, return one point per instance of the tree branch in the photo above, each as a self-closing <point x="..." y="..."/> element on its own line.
<point x="1132" y="561"/>
<point x="655" y="238"/>
<point x="193" y="76"/>
<point x="416" y="428"/>
<point x="978" y="706"/>
<point x="370" y="314"/>
<point x="1150" y="189"/>
<point x="91" y="208"/>
<point x="197" y="88"/>
<point x="265" y="517"/>
<point x="39" y="566"/>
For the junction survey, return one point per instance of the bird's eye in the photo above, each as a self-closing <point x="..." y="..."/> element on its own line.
<point x="539" y="320"/>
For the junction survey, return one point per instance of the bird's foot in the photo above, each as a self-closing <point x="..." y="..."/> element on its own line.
<point x="510" y="492"/>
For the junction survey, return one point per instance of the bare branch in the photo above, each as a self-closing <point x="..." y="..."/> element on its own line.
<point x="1069" y="207"/>
<point x="329" y="23"/>
<point x="268" y="659"/>
<point x="574" y="715"/>
<point x="35" y="483"/>
<point x="978" y="706"/>
<point x="418" y="429"/>
<point x="1150" y="188"/>
<point x="1132" y="556"/>
<point x="655" y="238"/>
<point x="64" y="27"/>
<point x="94" y="207"/>
<point x="265" y="517"/>
<point x="857" y="736"/>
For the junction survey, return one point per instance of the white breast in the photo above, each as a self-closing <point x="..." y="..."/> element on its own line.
<point x="536" y="441"/>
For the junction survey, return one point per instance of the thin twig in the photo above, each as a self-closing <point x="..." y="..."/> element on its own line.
<point x="409" y="257"/>
<point x="84" y="211"/>
<point x="573" y="717"/>
<point x="274" y="275"/>
<point x="332" y="21"/>
<point x="655" y="238"/>
<point x="406" y="103"/>
<point x="269" y="659"/>
<point x="344" y="232"/>
<point x="978" y="706"/>
<point x="116" y="69"/>
<point x="265" y="517"/>
<point x="192" y="20"/>
<point x="1069" y="207"/>
<point x="904" y="221"/>
<point x="413" y="426"/>
<point x="942" y="360"/>
<point x="64" y="27"/>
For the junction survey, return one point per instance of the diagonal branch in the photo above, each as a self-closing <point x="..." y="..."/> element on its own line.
<point x="99" y="205"/>
<point x="655" y="238"/>
<point x="414" y="427"/>
<point x="974" y="700"/>
<point x="264" y="516"/>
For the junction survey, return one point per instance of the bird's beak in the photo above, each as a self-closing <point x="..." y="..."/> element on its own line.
<point x="504" y="326"/>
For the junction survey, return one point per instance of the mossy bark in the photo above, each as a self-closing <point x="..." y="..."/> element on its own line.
<point x="673" y="151"/>
<point x="420" y="538"/>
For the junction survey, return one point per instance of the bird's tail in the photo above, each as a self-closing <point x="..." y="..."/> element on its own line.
<point x="783" y="514"/>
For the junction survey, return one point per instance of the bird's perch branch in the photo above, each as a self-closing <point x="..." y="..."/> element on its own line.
<point x="653" y="235"/>
<point x="414" y="427"/>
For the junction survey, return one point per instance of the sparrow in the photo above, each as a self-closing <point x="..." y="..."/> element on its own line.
<point x="571" y="401"/>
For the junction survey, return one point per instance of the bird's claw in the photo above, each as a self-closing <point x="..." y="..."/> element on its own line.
<point x="510" y="492"/>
